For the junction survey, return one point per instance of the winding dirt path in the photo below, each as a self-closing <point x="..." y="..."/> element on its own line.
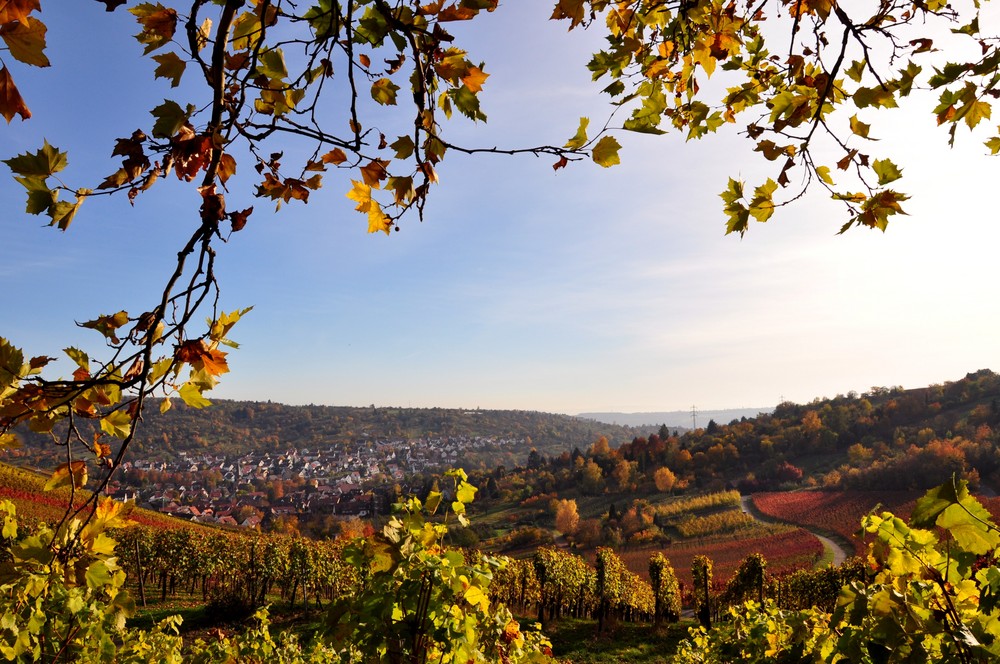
<point x="839" y="553"/>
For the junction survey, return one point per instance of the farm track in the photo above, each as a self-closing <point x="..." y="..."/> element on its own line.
<point x="839" y="552"/>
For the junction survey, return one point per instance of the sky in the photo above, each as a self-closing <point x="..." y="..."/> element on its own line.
<point x="586" y="289"/>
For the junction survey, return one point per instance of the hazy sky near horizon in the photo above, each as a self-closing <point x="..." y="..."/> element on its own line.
<point x="588" y="289"/>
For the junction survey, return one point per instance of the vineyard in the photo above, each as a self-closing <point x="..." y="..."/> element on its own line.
<point x="787" y="549"/>
<point x="836" y="512"/>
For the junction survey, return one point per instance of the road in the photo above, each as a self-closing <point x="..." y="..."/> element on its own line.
<point x="839" y="553"/>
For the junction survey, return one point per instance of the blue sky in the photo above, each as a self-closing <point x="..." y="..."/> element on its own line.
<point x="586" y="289"/>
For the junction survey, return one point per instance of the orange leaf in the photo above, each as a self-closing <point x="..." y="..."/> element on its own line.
<point x="17" y="10"/>
<point x="374" y="172"/>
<point x="335" y="156"/>
<point x="474" y="79"/>
<point x="11" y="102"/>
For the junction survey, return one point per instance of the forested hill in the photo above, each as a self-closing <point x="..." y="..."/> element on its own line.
<point x="886" y="438"/>
<point x="237" y="427"/>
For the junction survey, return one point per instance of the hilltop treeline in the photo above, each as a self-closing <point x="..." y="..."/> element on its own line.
<point x="235" y="428"/>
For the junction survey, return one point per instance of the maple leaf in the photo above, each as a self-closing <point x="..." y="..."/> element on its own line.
<point x="158" y="25"/>
<point x="18" y="10"/>
<point x="377" y="220"/>
<point x="335" y="156"/>
<point x="26" y="42"/>
<point x="214" y="362"/>
<point x="361" y="193"/>
<point x="11" y="102"/>
<point x="170" y="67"/>
<point x="569" y="9"/>
<point x="475" y="78"/>
<point x="191" y="153"/>
<point x="374" y="172"/>
<point x="107" y="325"/>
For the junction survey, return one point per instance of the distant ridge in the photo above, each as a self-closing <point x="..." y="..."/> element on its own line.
<point x="676" y="418"/>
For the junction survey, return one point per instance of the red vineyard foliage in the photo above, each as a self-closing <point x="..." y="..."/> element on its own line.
<point x="837" y="512"/>
<point x="785" y="552"/>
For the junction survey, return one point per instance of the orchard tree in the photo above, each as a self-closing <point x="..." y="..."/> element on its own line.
<point x="803" y="80"/>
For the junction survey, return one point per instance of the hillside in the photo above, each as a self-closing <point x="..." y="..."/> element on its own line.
<point x="888" y="439"/>
<point x="235" y="428"/>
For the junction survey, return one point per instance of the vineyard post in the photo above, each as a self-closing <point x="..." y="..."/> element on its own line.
<point x="138" y="567"/>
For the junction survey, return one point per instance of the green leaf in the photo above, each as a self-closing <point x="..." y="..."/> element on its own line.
<point x="403" y="147"/>
<point x="81" y="358"/>
<point x="272" y="64"/>
<point x="98" y="575"/>
<point x="993" y="144"/>
<point x="170" y="117"/>
<point x="877" y="96"/>
<point x="580" y="137"/>
<point x="47" y="161"/>
<point x="886" y="170"/>
<point x="605" y="153"/>
<point x="762" y="204"/>
<point x="935" y="501"/>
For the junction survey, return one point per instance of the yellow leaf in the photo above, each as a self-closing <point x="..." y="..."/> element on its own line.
<point x="117" y="423"/>
<point x="191" y="394"/>
<point x="580" y="138"/>
<point x="362" y="193"/>
<point x="606" y="152"/>
<point x="377" y="220"/>
<point x="165" y="405"/>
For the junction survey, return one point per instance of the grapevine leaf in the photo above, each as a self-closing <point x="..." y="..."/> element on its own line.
<point x="433" y="501"/>
<point x="73" y="473"/>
